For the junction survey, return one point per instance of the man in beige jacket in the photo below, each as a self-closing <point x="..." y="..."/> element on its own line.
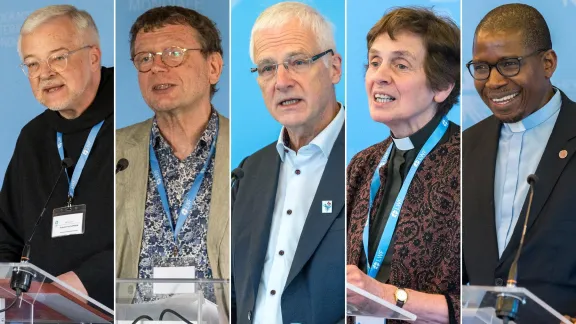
<point x="172" y="199"/>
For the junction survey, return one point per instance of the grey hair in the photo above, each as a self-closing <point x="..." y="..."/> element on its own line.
<point x="80" y="18"/>
<point x="282" y="13"/>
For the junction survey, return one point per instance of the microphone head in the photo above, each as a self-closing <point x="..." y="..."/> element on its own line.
<point x="238" y="173"/>
<point x="67" y="162"/>
<point x="532" y="179"/>
<point x="122" y="164"/>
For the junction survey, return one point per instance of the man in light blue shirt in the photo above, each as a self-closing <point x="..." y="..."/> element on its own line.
<point x="530" y="132"/>
<point x="288" y="209"/>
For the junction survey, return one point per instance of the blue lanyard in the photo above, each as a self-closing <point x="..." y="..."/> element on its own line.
<point x="190" y="195"/>
<point x="395" y="212"/>
<point x="81" y="160"/>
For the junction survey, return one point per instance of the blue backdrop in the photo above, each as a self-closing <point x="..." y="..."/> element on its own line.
<point x="18" y="103"/>
<point x="362" y="131"/>
<point x="559" y="15"/>
<point x="252" y="125"/>
<point x="130" y="106"/>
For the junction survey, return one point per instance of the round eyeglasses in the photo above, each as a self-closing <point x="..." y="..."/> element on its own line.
<point x="171" y="56"/>
<point x="56" y="63"/>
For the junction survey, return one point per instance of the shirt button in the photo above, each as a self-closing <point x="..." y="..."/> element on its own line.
<point x="249" y="315"/>
<point x="281" y="252"/>
<point x="498" y="281"/>
<point x="297" y="172"/>
<point x="285" y="151"/>
<point x="272" y="292"/>
<point x="289" y="212"/>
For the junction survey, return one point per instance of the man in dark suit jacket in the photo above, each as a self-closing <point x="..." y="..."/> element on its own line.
<point x="532" y="131"/>
<point x="288" y="238"/>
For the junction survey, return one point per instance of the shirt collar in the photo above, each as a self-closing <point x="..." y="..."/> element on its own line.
<point x="418" y="139"/>
<point x="539" y="116"/>
<point x="324" y="140"/>
<point x="209" y="134"/>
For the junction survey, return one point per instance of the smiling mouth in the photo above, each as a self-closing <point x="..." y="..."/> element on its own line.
<point x="504" y="100"/>
<point x="383" y="98"/>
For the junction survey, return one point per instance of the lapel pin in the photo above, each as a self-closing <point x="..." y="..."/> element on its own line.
<point x="563" y="154"/>
<point x="326" y="206"/>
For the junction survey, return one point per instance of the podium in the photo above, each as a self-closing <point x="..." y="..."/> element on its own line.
<point x="479" y="306"/>
<point x="371" y="308"/>
<point x="182" y="300"/>
<point x="48" y="300"/>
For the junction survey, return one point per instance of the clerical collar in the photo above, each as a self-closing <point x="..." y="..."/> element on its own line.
<point x="539" y="116"/>
<point x="418" y="139"/>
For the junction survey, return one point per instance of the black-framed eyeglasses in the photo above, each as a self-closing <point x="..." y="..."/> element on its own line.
<point x="56" y="63"/>
<point x="171" y="56"/>
<point x="507" y="67"/>
<point x="297" y="63"/>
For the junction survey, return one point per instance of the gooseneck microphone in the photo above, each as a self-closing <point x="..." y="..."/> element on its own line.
<point x="22" y="278"/>
<point x="507" y="305"/>
<point x="237" y="174"/>
<point x="121" y="165"/>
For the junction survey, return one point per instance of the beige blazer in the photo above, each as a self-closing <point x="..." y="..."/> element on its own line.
<point x="132" y="144"/>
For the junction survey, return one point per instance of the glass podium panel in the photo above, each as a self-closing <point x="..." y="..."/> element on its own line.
<point x="362" y="303"/>
<point x="151" y="300"/>
<point x="479" y="306"/>
<point x="48" y="300"/>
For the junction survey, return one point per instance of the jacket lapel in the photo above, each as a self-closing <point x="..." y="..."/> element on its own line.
<point x="259" y="222"/>
<point x="480" y="179"/>
<point x="331" y="187"/>
<point x="549" y="169"/>
<point x="219" y="204"/>
<point x="134" y="182"/>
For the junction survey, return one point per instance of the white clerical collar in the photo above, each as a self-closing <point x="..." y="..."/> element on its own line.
<point x="403" y="144"/>
<point x="539" y="116"/>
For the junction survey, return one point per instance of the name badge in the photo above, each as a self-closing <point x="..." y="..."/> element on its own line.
<point x="174" y="273"/>
<point x="369" y="320"/>
<point x="68" y="221"/>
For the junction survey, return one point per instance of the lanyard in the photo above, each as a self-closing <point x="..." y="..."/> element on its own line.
<point x="81" y="160"/>
<point x="395" y="212"/>
<point x="190" y="195"/>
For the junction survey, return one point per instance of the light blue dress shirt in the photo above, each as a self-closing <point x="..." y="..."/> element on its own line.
<point x="520" y="149"/>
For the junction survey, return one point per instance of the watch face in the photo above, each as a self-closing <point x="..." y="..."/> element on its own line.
<point x="401" y="295"/>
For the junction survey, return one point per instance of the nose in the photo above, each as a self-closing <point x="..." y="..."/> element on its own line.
<point x="45" y="70"/>
<point x="496" y="80"/>
<point x="158" y="65"/>
<point x="284" y="78"/>
<point x="382" y="75"/>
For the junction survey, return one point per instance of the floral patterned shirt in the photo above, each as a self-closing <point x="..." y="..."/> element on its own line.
<point x="158" y="246"/>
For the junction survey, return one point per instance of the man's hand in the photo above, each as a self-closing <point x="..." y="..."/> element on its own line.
<point x="72" y="279"/>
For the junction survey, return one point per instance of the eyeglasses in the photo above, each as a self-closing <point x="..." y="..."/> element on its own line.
<point x="297" y="64"/>
<point x="507" y="67"/>
<point x="171" y="56"/>
<point x="57" y="63"/>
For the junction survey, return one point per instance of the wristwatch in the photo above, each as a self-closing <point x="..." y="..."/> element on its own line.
<point x="401" y="296"/>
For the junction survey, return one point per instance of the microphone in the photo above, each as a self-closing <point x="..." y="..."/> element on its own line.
<point x="22" y="278"/>
<point x="121" y="165"/>
<point x="237" y="174"/>
<point x="507" y="305"/>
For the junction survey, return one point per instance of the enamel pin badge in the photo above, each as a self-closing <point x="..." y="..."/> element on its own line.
<point x="326" y="206"/>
